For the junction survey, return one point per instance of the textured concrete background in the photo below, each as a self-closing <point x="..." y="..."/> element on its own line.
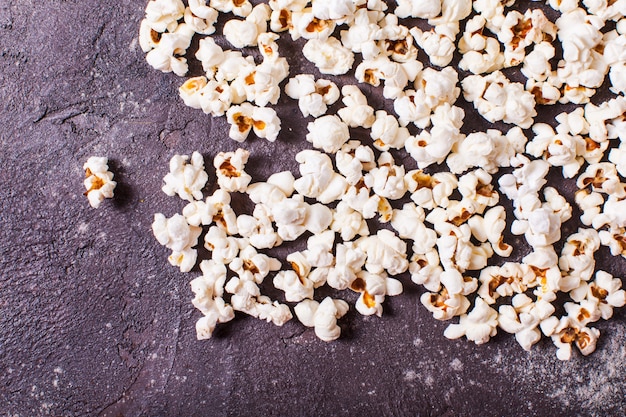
<point x="94" y="321"/>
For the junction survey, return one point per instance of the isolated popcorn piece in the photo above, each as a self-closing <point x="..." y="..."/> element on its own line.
<point x="246" y="117"/>
<point x="176" y="234"/>
<point x="98" y="180"/>
<point x="373" y="288"/>
<point x="478" y="325"/>
<point x="167" y="55"/>
<point x="329" y="56"/>
<point x="318" y="179"/>
<point x="293" y="217"/>
<point x="328" y="133"/>
<point x="567" y="332"/>
<point x="523" y="318"/>
<point x="605" y="291"/>
<point x="296" y="288"/>
<point x="322" y="316"/>
<point x="230" y="167"/>
<point x="208" y="291"/>
<point x="241" y="8"/>
<point x="250" y="265"/>
<point x="191" y="91"/>
<point x="186" y="178"/>
<point x="387" y="179"/>
<point x="314" y="96"/>
<point x="443" y="305"/>
<point x="590" y="204"/>
<point x="163" y="15"/>
<point x="243" y="33"/>
<point x="357" y="112"/>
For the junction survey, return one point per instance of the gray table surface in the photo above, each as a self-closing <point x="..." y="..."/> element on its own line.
<point x="95" y="322"/>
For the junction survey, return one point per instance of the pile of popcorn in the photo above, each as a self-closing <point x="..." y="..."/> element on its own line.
<point x="451" y="222"/>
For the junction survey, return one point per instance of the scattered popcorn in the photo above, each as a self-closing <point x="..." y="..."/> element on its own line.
<point x="98" y="180"/>
<point x="453" y="224"/>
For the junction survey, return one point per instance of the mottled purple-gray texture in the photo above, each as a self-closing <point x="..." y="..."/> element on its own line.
<point x="95" y="322"/>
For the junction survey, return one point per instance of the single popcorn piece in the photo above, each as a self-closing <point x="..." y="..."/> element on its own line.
<point x="496" y="98"/>
<point x="296" y="288"/>
<point x="98" y="180"/>
<point x="314" y="96"/>
<point x="176" y="234"/>
<point x="187" y="179"/>
<point x="567" y="332"/>
<point x="478" y="325"/>
<point x="329" y="56"/>
<point x="374" y="288"/>
<point x="240" y="8"/>
<point x="243" y="33"/>
<point x="167" y="55"/>
<point x="230" y="170"/>
<point x="322" y="316"/>
<point x="246" y="117"/>
<point x="328" y="133"/>
<point x="209" y="290"/>
<point x="357" y="112"/>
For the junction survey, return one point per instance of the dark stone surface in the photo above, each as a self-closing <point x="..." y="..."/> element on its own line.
<point x="94" y="321"/>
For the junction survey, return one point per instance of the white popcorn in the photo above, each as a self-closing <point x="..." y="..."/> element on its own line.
<point x="477" y="326"/>
<point x="253" y="266"/>
<point x="230" y="170"/>
<point x="348" y="222"/>
<point x="387" y="180"/>
<point x="329" y="56"/>
<point x="490" y="228"/>
<point x="296" y="288"/>
<point x="362" y="34"/>
<point x="439" y="47"/>
<point x="211" y="55"/>
<point x="305" y="24"/>
<point x="373" y="288"/>
<point x="98" y="180"/>
<point x="322" y="316"/>
<point x="452" y="12"/>
<point x="319" y="180"/>
<point x="444" y="306"/>
<point x="339" y="10"/>
<point x="558" y="149"/>
<point x="349" y="260"/>
<point x="604" y="290"/>
<point x="187" y="179"/>
<point x="167" y="54"/>
<point x="523" y="318"/>
<point x="357" y="112"/>
<point x="246" y="117"/>
<point x="176" y="234"/>
<point x="293" y="217"/>
<point x="385" y="251"/>
<point x="520" y="31"/>
<point x="409" y="223"/>
<point x="313" y="96"/>
<point x="387" y="133"/>
<point x="224" y="248"/>
<point x="428" y="191"/>
<point x="506" y="280"/>
<point x="163" y="15"/>
<point x="577" y="261"/>
<point x="328" y="133"/>
<point x="425" y="268"/>
<point x="258" y="228"/>
<point x="480" y="53"/>
<point x="544" y="91"/>
<point x="496" y="98"/>
<point x="208" y="290"/>
<point x="424" y="9"/>
<point x="615" y="239"/>
<point x="352" y="159"/>
<point x="202" y="25"/>
<point x="568" y="332"/>
<point x="603" y="178"/>
<point x="240" y="8"/>
<point x="243" y="33"/>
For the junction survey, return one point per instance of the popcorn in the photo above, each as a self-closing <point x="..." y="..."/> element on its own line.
<point x="429" y="191"/>
<point x="243" y="33"/>
<point x="203" y="25"/>
<point x="322" y="316"/>
<point x="240" y="8"/>
<point x="357" y="112"/>
<point x="246" y="117"/>
<point x="296" y="288"/>
<point x="439" y="47"/>
<point x="602" y="177"/>
<point x="187" y="179"/>
<point x="98" y="180"/>
<point x="477" y="326"/>
<point x="425" y="269"/>
<point x="352" y="159"/>
<point x="328" y="133"/>
<point x="520" y="31"/>
<point x="230" y="170"/>
<point x="349" y="260"/>
<point x="373" y="288"/>
<point x="163" y="15"/>
<point x="425" y="9"/>
<point x="329" y="56"/>
<point x="209" y="290"/>
<point x="348" y="222"/>
<point x="387" y="133"/>
<point x="166" y="56"/>
<point x="409" y="223"/>
<point x="558" y="149"/>
<point x="250" y="265"/>
<point x="313" y="96"/>
<point x="523" y="319"/>
<point x="569" y="332"/>
<point x="385" y="252"/>
<point x="496" y="98"/>
<point x="338" y="10"/>
<point x="604" y="290"/>
<point x="224" y="248"/>
<point x="505" y="281"/>
<point x="615" y="239"/>
<point x="319" y="180"/>
<point x="176" y="234"/>
<point x="445" y="306"/>
<point x="387" y="180"/>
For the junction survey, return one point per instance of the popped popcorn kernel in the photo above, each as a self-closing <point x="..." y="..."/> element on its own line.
<point x="98" y="180"/>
